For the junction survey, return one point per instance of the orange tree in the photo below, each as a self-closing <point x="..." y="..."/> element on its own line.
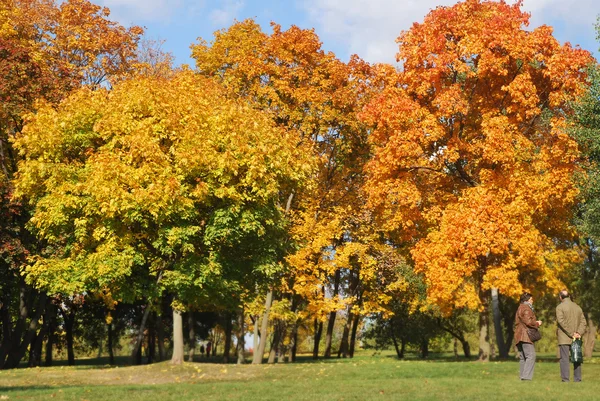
<point x="472" y="168"/>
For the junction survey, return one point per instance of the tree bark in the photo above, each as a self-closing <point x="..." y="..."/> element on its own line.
<point x="37" y="342"/>
<point x="318" y="331"/>
<point x="258" y="355"/>
<point x="255" y="338"/>
<point x="399" y="352"/>
<point x="276" y="343"/>
<point x="355" y="323"/>
<point x="502" y="351"/>
<point x="111" y="355"/>
<point x="425" y="348"/>
<point x="69" y="323"/>
<point x="228" y="332"/>
<point x="51" y="315"/>
<point x="293" y="342"/>
<point x="484" y="335"/>
<point x="589" y="338"/>
<point x="178" y="353"/>
<point x="332" y="316"/>
<point x="151" y="341"/>
<point x="140" y="335"/>
<point x="344" y="345"/>
<point x="191" y="336"/>
<point x="241" y="341"/>
<point x="160" y="334"/>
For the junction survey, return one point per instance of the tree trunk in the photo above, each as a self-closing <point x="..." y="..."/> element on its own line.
<point x="191" y="336"/>
<point x="293" y="342"/>
<point x="275" y="344"/>
<point x="318" y="332"/>
<point x="160" y="337"/>
<point x="6" y="328"/>
<point x="258" y="355"/>
<point x="502" y="351"/>
<point x="140" y="336"/>
<point x="51" y="315"/>
<point x="329" y="334"/>
<point x="484" y="335"/>
<point x="344" y="345"/>
<point x="355" y="323"/>
<point x="12" y="346"/>
<point x="151" y="345"/>
<point x="151" y="338"/>
<point x="69" y="320"/>
<point x="111" y="355"/>
<point x="399" y="352"/>
<point x="332" y="316"/>
<point x="37" y="342"/>
<point x="425" y="348"/>
<point x="178" y="353"/>
<point x="24" y="333"/>
<point x="241" y="358"/>
<point x="466" y="348"/>
<point x="589" y="338"/>
<point x="255" y="338"/>
<point x="228" y="332"/>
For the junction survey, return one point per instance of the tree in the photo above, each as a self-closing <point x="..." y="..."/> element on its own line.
<point x="147" y="187"/>
<point x="472" y="165"/>
<point x="46" y="50"/>
<point x="305" y="88"/>
<point x="585" y="129"/>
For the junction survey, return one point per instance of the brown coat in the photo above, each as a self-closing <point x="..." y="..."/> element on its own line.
<point x="523" y="319"/>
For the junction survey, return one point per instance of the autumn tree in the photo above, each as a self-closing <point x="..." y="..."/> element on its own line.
<point x="150" y="187"/>
<point x="472" y="165"/>
<point x="47" y="49"/>
<point x="305" y="88"/>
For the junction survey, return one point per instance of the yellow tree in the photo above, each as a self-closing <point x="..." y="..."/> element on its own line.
<point x="46" y="50"/>
<point x="156" y="184"/>
<point x="472" y="168"/>
<point x="304" y="88"/>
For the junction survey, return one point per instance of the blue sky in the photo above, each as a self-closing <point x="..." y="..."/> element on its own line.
<point x="365" y="27"/>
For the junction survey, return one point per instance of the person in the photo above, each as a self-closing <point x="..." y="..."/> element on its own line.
<point x="524" y="319"/>
<point x="208" y="348"/>
<point x="571" y="325"/>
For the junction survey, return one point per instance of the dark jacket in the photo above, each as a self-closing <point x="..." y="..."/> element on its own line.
<point x="570" y="319"/>
<point x="524" y="318"/>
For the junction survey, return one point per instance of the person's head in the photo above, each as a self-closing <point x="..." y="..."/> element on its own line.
<point x="564" y="294"/>
<point x="526" y="297"/>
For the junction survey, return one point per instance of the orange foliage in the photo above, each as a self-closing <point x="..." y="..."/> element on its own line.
<point x="471" y="165"/>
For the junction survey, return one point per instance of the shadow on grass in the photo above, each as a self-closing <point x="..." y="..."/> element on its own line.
<point x="17" y="389"/>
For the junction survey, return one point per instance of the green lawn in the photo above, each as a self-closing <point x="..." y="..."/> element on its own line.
<point x="366" y="377"/>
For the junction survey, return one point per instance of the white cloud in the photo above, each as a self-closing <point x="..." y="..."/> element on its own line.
<point x="139" y="11"/>
<point x="225" y="15"/>
<point x="370" y="27"/>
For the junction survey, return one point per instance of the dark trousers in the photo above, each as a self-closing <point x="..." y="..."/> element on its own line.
<point x="565" y="365"/>
<point x="526" y="360"/>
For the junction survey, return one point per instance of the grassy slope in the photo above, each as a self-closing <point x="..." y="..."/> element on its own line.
<point x="365" y="377"/>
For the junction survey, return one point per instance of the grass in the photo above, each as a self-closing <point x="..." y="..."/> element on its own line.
<point x="366" y="377"/>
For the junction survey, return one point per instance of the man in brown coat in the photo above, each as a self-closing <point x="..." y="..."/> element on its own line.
<point x="571" y="324"/>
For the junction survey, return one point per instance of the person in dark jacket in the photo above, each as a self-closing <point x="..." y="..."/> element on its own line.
<point x="571" y="325"/>
<point x="524" y="319"/>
